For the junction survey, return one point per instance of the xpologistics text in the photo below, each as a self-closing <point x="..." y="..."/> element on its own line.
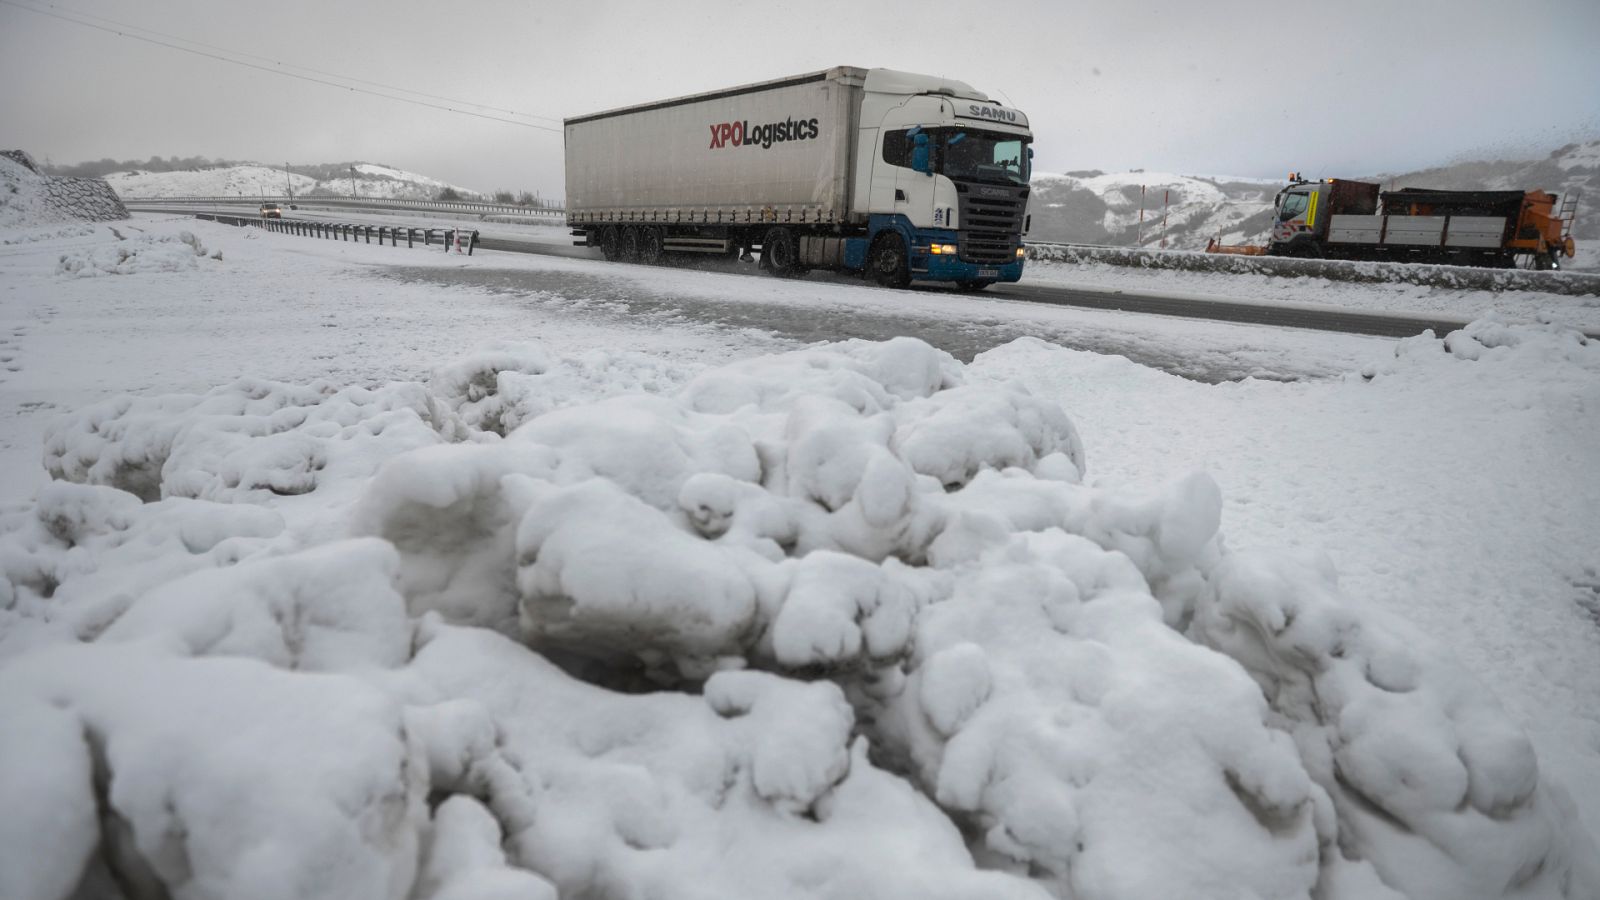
<point x="743" y="134"/>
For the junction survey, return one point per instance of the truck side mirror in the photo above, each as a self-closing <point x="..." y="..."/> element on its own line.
<point x="921" y="154"/>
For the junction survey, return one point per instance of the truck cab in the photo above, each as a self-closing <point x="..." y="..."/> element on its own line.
<point x="1304" y="210"/>
<point x="1294" y="220"/>
<point x="942" y="180"/>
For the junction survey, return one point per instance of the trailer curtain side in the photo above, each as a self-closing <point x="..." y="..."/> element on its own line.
<point x="777" y="151"/>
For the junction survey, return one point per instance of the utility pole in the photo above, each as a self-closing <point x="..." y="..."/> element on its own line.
<point x="1165" y="196"/>
<point x="353" y="193"/>
<point x="288" y="186"/>
<point x="1138" y="241"/>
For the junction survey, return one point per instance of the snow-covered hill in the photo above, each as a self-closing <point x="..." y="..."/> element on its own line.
<point x="263" y="181"/>
<point x="1103" y="208"/>
<point x="1099" y="208"/>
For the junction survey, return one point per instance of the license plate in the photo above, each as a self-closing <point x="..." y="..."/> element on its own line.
<point x="988" y="273"/>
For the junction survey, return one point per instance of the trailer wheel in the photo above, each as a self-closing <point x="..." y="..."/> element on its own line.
<point x="630" y="244"/>
<point x="887" y="263"/>
<point x="780" y="253"/>
<point x="650" y="241"/>
<point x="609" y="242"/>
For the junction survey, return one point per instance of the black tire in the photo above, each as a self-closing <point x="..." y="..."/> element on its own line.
<point x="972" y="287"/>
<point x="887" y="261"/>
<point x="780" y="252"/>
<point x="629" y="251"/>
<point x="650" y="241"/>
<point x="609" y="242"/>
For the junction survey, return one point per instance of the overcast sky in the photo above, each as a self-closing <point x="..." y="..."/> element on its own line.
<point x="1343" y="87"/>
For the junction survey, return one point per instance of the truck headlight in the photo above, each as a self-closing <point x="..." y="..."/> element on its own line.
<point x="942" y="249"/>
<point x="1021" y="252"/>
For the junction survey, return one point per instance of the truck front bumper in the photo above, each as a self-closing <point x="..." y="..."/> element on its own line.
<point x="952" y="268"/>
<point x="926" y="266"/>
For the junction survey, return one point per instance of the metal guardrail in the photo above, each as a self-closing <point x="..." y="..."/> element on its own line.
<point x="502" y="209"/>
<point x="337" y="231"/>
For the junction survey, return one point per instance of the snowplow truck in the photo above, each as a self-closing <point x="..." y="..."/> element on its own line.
<point x="895" y="176"/>
<point x="1338" y="218"/>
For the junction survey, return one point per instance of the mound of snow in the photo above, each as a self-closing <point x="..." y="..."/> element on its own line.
<point x="831" y="623"/>
<point x="145" y="253"/>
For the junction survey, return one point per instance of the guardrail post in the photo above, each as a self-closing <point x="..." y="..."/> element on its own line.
<point x="472" y="241"/>
<point x="409" y="230"/>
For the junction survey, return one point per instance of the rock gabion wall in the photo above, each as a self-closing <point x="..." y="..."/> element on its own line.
<point x="88" y="199"/>
<point x="47" y="199"/>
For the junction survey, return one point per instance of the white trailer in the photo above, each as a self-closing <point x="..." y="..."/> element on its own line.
<point x="904" y="177"/>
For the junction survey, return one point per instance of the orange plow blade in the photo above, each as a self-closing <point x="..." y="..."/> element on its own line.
<point x="1216" y="246"/>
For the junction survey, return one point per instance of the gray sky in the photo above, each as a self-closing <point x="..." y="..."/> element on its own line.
<point x="1219" y="87"/>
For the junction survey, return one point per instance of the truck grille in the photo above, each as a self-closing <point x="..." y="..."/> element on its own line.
<point x="991" y="222"/>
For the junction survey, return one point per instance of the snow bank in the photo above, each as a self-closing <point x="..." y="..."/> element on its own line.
<point x="1433" y="786"/>
<point x="213" y="778"/>
<point x="146" y="253"/>
<point x="756" y="788"/>
<point x="242" y="440"/>
<point x="831" y="623"/>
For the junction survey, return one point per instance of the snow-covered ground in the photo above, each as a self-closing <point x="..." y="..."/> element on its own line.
<point x="349" y="582"/>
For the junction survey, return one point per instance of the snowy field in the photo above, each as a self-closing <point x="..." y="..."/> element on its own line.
<point x="517" y="576"/>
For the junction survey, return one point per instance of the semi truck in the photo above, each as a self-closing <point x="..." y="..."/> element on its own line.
<point x="895" y="176"/>
<point x="1339" y="218"/>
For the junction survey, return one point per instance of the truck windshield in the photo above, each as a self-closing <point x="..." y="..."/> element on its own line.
<point x="1291" y="205"/>
<point x="967" y="155"/>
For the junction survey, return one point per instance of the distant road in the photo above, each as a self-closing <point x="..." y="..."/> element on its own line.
<point x="1144" y="302"/>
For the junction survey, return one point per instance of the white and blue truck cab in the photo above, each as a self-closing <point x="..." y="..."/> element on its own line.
<point x="896" y="176"/>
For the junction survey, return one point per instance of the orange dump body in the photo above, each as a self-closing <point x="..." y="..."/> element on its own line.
<point x="1537" y="226"/>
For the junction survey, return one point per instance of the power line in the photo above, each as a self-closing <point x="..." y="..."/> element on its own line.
<point x="287" y="74"/>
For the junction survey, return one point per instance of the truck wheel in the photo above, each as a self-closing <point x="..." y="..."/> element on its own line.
<point x="608" y="241"/>
<point x="650" y="245"/>
<point x="780" y="253"/>
<point x="887" y="263"/>
<point x="630" y="244"/>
